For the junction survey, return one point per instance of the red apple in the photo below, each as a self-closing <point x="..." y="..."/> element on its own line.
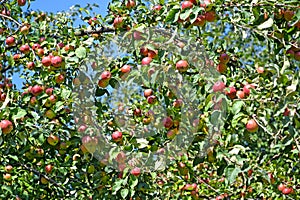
<point x="168" y="122"/>
<point x="7" y="177"/>
<point x="171" y="134"/>
<point x="8" y="168"/>
<point x="224" y="58"/>
<point x="297" y="56"/>
<point x="177" y="103"/>
<point x="59" y="79"/>
<point x="221" y="68"/>
<point x="186" y="4"/>
<point x="103" y="83"/>
<point x="231" y="92"/>
<point x="118" y="22"/>
<point x="137" y="112"/>
<point x="49" y="168"/>
<point x="219" y="86"/>
<point x="200" y="21"/>
<point x="281" y="187"/>
<point x="36" y="90"/>
<point x="36" y="46"/>
<point x="152" y="54"/>
<point x="17" y="57"/>
<point x="151" y="99"/>
<point x="33" y="101"/>
<point x="6" y="126"/>
<point x="46" y="61"/>
<point x="82" y="128"/>
<point x="56" y="61"/>
<point x="182" y="66"/>
<point x="125" y="69"/>
<point x="117" y="136"/>
<point x="247" y="87"/>
<point x="260" y="70"/>
<point x="60" y="45"/>
<point x="252" y="126"/>
<point x="106" y="75"/>
<point x="53" y="140"/>
<point x="136" y="171"/>
<point x="287" y="191"/>
<point x="286" y="112"/>
<point x="10" y="41"/>
<point x="148" y="92"/>
<point x="146" y="61"/>
<point x="21" y="2"/>
<point x="210" y="16"/>
<point x="49" y="91"/>
<point x="157" y="7"/>
<point x="52" y="99"/>
<point x="130" y="4"/>
<point x="25" y="48"/>
<point x="288" y="15"/>
<point x="40" y="52"/>
<point x="144" y="51"/>
<point x="30" y="65"/>
<point x="240" y="94"/>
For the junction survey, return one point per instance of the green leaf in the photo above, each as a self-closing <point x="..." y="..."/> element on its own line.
<point x="231" y="173"/>
<point x="171" y="15"/>
<point x="65" y="93"/>
<point x="124" y="193"/>
<point x="266" y="24"/>
<point x="80" y="52"/>
<point x="21" y="113"/>
<point x="237" y="106"/>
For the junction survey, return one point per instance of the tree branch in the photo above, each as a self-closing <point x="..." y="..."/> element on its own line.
<point x="11" y="19"/>
<point x="97" y="30"/>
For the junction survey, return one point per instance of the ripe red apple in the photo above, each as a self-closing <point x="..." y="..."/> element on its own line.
<point x="182" y="66"/>
<point x="6" y="126"/>
<point x="117" y="136"/>
<point x="247" y="87"/>
<point x="50" y="114"/>
<point x="36" y="46"/>
<point x="224" y="58"/>
<point x="240" y="94"/>
<point x="3" y="97"/>
<point x="91" y="20"/>
<point x="53" y="99"/>
<point x="53" y="140"/>
<point x="148" y="92"/>
<point x="59" y="79"/>
<point x="221" y="68"/>
<point x="24" y="30"/>
<point x="33" y="101"/>
<point x="49" y="168"/>
<point x="146" y="61"/>
<point x="7" y="177"/>
<point x="82" y="128"/>
<point x="56" y="61"/>
<point x="125" y="69"/>
<point x="30" y="65"/>
<point x="21" y="2"/>
<point x="49" y="91"/>
<point x="210" y="16"/>
<point x="36" y="90"/>
<point x="288" y="15"/>
<point x="252" y="126"/>
<point x="286" y="112"/>
<point x="8" y="168"/>
<point x="152" y="54"/>
<point x="136" y="171"/>
<point x="46" y="61"/>
<point x="231" y="92"/>
<point x="151" y="99"/>
<point x="137" y="112"/>
<point x="186" y="4"/>
<point x="219" y="86"/>
<point x="287" y="191"/>
<point x="168" y="122"/>
<point x="130" y="4"/>
<point x="10" y="41"/>
<point x="281" y="186"/>
<point x="17" y="57"/>
<point x="200" y="21"/>
<point x="144" y="51"/>
<point x="297" y="56"/>
<point x="118" y="22"/>
<point x="157" y="7"/>
<point x="25" y="48"/>
<point x="105" y="75"/>
<point x="40" y="52"/>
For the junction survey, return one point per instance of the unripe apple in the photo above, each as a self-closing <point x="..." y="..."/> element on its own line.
<point x="10" y="41"/>
<point x="151" y="99"/>
<point x="117" y="136"/>
<point x="168" y="122"/>
<point x="36" y="90"/>
<point x="30" y="65"/>
<point x="252" y="126"/>
<point x="44" y="180"/>
<point x="221" y="68"/>
<point x="186" y="4"/>
<point x="125" y="69"/>
<point x="146" y="61"/>
<point x="219" y="86"/>
<point x="224" y="58"/>
<point x="50" y="114"/>
<point x="231" y="92"/>
<point x="182" y="66"/>
<point x="136" y="171"/>
<point x="200" y="21"/>
<point x="24" y="30"/>
<point x="105" y="75"/>
<point x="56" y="61"/>
<point x="7" y="177"/>
<point x="25" y="48"/>
<point x="118" y="22"/>
<point x="288" y="15"/>
<point x="130" y="4"/>
<point x="8" y="168"/>
<point x="46" y="61"/>
<point x="21" y="2"/>
<point x="49" y="168"/>
<point x="210" y="16"/>
<point x="148" y="92"/>
<point x="53" y="140"/>
<point x="103" y="83"/>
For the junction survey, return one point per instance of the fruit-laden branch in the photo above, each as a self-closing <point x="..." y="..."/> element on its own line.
<point x="46" y="177"/>
<point x="97" y="30"/>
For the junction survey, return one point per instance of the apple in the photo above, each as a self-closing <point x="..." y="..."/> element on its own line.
<point x="5" y="12"/>
<point x="3" y="97"/>
<point x="190" y="187"/>
<point x="272" y="179"/>
<point x="151" y="99"/>
<point x="144" y="51"/>
<point x="36" y="46"/>
<point x="40" y="52"/>
<point x="182" y="66"/>
<point x="171" y="134"/>
<point x="52" y="99"/>
<point x="136" y="171"/>
<point x="121" y="157"/>
<point x="82" y="128"/>
<point x="125" y="69"/>
<point x="7" y="177"/>
<point x="287" y="191"/>
<point x="53" y="140"/>
<point x="221" y="68"/>
<point x="30" y="65"/>
<point x="210" y="16"/>
<point x="117" y="136"/>
<point x="130" y="4"/>
<point x="157" y="7"/>
<point x="36" y="90"/>
<point x="252" y="126"/>
<point x="59" y="79"/>
<point x="177" y="103"/>
<point x="69" y="47"/>
<point x="146" y="61"/>
<point x="10" y="41"/>
<point x="137" y="112"/>
<point x="288" y="15"/>
<point x="49" y="168"/>
<point x="17" y="57"/>
<point x="219" y="86"/>
<point x="25" y="48"/>
<point x="103" y="83"/>
<point x="281" y="187"/>
<point x="49" y="91"/>
<point x="240" y="94"/>
<point x="56" y="61"/>
<point x="152" y="54"/>
<point x="21" y="2"/>
<point x="24" y="30"/>
<point x="50" y="114"/>
<point x="200" y="21"/>
<point x="286" y="112"/>
<point x="168" y="122"/>
<point x="106" y="75"/>
<point x="118" y="22"/>
<point x="46" y="61"/>
<point x="186" y="4"/>
<point x="260" y="70"/>
<point x="44" y="180"/>
<point x="230" y="92"/>
<point x="246" y="89"/>
<point x="224" y="58"/>
<point x="91" y="20"/>
<point x="8" y="168"/>
<point x="297" y="56"/>
<point x="148" y="92"/>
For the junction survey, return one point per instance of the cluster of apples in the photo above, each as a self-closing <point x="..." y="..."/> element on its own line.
<point x="208" y="16"/>
<point x="8" y="171"/>
<point x="4" y="87"/>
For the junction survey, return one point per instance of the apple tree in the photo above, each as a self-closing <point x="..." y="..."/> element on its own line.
<point x="195" y="99"/>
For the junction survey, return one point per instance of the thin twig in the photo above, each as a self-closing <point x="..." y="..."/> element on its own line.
<point x="11" y="19"/>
